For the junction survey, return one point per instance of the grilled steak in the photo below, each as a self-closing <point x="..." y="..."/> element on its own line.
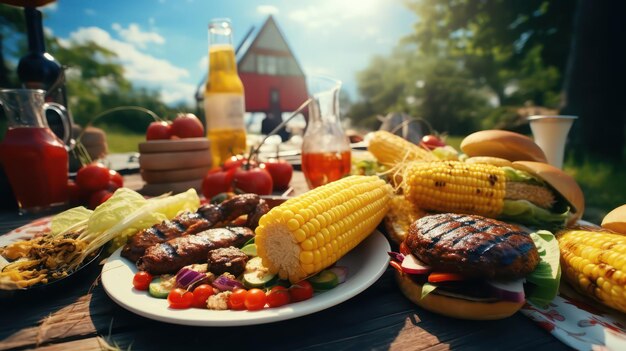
<point x="227" y="259"/>
<point x="174" y="254"/>
<point x="184" y="224"/>
<point x="473" y="246"/>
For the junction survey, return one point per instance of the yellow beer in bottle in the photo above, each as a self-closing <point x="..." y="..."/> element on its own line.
<point x="224" y="96"/>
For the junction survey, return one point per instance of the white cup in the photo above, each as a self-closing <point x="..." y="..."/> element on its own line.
<point x="550" y="133"/>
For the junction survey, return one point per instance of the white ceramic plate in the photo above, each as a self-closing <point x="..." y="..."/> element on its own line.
<point x="366" y="263"/>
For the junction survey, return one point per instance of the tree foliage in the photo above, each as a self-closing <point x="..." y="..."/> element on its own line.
<point x="466" y="57"/>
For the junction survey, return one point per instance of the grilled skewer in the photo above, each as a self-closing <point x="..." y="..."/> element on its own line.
<point x="174" y="254"/>
<point x="208" y="216"/>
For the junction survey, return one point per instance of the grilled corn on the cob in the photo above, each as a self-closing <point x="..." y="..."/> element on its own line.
<point x="595" y="264"/>
<point x="391" y="149"/>
<point x="456" y="187"/>
<point x="314" y="230"/>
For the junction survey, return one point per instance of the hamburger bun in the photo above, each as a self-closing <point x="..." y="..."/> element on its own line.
<point x="561" y="182"/>
<point x="616" y="220"/>
<point x="496" y="161"/>
<point x="503" y="144"/>
<point x="455" y="307"/>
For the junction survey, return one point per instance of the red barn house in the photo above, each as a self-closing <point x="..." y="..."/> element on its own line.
<point x="273" y="80"/>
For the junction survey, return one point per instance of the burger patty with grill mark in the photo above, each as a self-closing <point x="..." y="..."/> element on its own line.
<point x="473" y="246"/>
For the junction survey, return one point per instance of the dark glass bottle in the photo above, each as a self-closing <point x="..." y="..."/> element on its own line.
<point x="39" y="70"/>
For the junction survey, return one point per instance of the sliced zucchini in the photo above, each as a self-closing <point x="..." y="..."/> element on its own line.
<point x="256" y="275"/>
<point x="324" y="280"/>
<point x="159" y="288"/>
<point x="249" y="250"/>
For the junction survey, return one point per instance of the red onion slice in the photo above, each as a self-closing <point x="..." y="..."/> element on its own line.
<point x="187" y="277"/>
<point x="411" y="265"/>
<point x="224" y="283"/>
<point x="341" y="272"/>
<point x="509" y="290"/>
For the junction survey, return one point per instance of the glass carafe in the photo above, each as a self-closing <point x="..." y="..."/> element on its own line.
<point x="325" y="148"/>
<point x="34" y="158"/>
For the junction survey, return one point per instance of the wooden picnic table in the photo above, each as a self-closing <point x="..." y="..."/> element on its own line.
<point x="82" y="317"/>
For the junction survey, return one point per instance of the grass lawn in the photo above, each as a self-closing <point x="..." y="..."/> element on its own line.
<point x="120" y="141"/>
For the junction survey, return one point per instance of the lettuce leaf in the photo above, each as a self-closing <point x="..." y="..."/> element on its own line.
<point x="547" y="275"/>
<point x="67" y="220"/>
<point x="515" y="175"/>
<point x="524" y="211"/>
<point x="123" y="202"/>
<point x="427" y="288"/>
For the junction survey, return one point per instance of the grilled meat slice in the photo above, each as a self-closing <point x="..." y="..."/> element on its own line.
<point x="183" y="224"/>
<point x="474" y="246"/>
<point x="227" y="259"/>
<point x="537" y="194"/>
<point x="174" y="254"/>
<point x="229" y="210"/>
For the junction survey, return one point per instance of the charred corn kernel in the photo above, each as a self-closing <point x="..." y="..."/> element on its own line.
<point x="351" y="209"/>
<point x="453" y="186"/>
<point x="593" y="263"/>
<point x="390" y="149"/>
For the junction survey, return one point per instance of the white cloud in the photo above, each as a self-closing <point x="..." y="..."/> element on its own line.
<point x="331" y="14"/>
<point x="135" y="36"/>
<point x="140" y="68"/>
<point x="267" y="10"/>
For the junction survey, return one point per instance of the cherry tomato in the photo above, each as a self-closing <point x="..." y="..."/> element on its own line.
<point x="116" y="178"/>
<point x="255" y="299"/>
<point x="278" y="296"/>
<point x="255" y="180"/>
<point x="93" y="177"/>
<point x="237" y="161"/>
<point x="187" y="125"/>
<point x="302" y="290"/>
<point x="99" y="197"/>
<point x="217" y="181"/>
<point x="201" y="294"/>
<point x="432" y="142"/>
<point x="180" y="298"/>
<point x="281" y="173"/>
<point x="142" y="280"/>
<point x="237" y="300"/>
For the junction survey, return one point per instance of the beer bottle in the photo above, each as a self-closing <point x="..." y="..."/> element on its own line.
<point x="224" y="95"/>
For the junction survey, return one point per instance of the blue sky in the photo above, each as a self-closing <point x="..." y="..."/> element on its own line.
<point x="163" y="43"/>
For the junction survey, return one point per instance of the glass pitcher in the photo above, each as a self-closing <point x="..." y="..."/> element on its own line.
<point x="325" y="147"/>
<point x="35" y="160"/>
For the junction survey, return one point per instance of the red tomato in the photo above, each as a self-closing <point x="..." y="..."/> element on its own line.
<point x="278" y="296"/>
<point x="281" y="173"/>
<point x="187" y="125"/>
<point x="233" y="162"/>
<point x="75" y="193"/>
<point x="116" y="178"/>
<point x="201" y="294"/>
<point x="159" y="130"/>
<point x="237" y="300"/>
<point x="142" y="280"/>
<point x="93" y="177"/>
<point x="255" y="180"/>
<point x="180" y="298"/>
<point x="432" y="142"/>
<point x="99" y="197"/>
<point x="217" y="181"/>
<point x="255" y="299"/>
<point x="302" y="290"/>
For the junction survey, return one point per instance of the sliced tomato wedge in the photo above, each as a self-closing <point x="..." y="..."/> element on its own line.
<point x="436" y="277"/>
<point x="396" y="265"/>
